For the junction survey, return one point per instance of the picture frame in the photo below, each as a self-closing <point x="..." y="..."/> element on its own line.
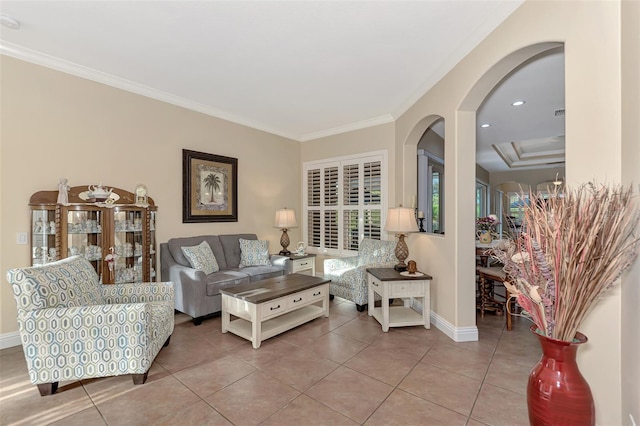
<point x="209" y="187"/>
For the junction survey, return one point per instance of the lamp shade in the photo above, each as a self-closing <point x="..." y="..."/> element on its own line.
<point x="285" y="219"/>
<point x="401" y="220"/>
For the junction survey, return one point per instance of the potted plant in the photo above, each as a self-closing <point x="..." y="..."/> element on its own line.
<point x="573" y="248"/>
<point x="486" y="228"/>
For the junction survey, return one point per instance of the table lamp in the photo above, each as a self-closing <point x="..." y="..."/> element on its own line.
<point x="285" y="220"/>
<point x="401" y="221"/>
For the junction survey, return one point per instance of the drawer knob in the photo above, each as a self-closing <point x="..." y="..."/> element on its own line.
<point x="317" y="294"/>
<point x="297" y="300"/>
<point x="273" y="308"/>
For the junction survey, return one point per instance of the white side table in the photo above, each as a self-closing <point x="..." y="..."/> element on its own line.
<point x="305" y="262"/>
<point x="389" y="284"/>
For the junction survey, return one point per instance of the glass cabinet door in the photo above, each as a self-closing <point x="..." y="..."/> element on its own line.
<point x="128" y="244"/>
<point x="84" y="235"/>
<point x="152" y="245"/>
<point x="43" y="236"/>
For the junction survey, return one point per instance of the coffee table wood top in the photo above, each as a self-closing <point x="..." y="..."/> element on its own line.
<point x="273" y="288"/>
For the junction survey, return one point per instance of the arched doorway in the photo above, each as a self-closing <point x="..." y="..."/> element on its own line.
<point x="492" y="200"/>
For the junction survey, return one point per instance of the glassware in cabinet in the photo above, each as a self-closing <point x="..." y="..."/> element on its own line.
<point x="43" y="235"/>
<point x="82" y="229"/>
<point x="129" y="242"/>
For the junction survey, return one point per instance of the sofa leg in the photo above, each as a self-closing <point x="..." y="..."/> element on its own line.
<point x="139" y="379"/>
<point x="167" y="342"/>
<point x="361" y="308"/>
<point x="197" y="321"/>
<point x="47" y="388"/>
<point x="331" y="297"/>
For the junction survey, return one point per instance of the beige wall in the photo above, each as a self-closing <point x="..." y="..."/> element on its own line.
<point x="57" y="125"/>
<point x="631" y="173"/>
<point x="590" y="32"/>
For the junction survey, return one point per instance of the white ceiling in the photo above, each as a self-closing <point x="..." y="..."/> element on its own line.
<point x="299" y="69"/>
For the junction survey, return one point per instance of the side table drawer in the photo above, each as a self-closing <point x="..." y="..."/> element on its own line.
<point x="302" y="264"/>
<point x="376" y="285"/>
<point x="407" y="289"/>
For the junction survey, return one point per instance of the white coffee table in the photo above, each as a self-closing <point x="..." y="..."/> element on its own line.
<point x="269" y="307"/>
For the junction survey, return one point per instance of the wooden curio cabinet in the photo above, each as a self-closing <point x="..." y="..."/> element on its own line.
<point x="95" y="229"/>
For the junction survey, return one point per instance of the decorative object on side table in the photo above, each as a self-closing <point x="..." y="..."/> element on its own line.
<point x="401" y="221"/>
<point x="486" y="228"/>
<point x="300" y="248"/>
<point x="572" y="251"/>
<point x="285" y="220"/>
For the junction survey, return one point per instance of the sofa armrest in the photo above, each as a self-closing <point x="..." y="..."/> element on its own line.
<point x="139" y="293"/>
<point x="278" y="260"/>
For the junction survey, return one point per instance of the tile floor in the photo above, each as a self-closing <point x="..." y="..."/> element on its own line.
<point x="341" y="370"/>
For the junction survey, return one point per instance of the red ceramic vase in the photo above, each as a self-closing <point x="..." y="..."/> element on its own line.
<point x="557" y="393"/>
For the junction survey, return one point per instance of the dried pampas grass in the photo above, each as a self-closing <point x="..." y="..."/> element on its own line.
<point x="573" y="248"/>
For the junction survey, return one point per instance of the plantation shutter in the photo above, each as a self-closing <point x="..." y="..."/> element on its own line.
<point x="344" y="203"/>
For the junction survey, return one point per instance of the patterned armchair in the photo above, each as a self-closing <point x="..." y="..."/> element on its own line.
<point x="349" y="274"/>
<point x="72" y="327"/>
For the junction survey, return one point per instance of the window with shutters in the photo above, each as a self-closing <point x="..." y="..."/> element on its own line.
<point x="345" y="201"/>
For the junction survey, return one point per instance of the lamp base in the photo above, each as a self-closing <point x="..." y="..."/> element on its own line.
<point x="400" y="268"/>
<point x="284" y="242"/>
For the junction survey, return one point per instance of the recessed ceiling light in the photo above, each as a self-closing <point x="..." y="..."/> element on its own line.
<point x="485" y="125"/>
<point x="518" y="103"/>
<point x="9" y="22"/>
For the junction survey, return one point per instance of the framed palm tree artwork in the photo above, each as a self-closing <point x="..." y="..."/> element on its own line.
<point x="209" y="187"/>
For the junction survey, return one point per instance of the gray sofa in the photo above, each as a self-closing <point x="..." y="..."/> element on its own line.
<point x="197" y="294"/>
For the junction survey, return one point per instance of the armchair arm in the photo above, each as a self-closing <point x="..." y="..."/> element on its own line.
<point x="139" y="293"/>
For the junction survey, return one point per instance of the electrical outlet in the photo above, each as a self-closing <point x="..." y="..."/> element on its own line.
<point x="22" y="237"/>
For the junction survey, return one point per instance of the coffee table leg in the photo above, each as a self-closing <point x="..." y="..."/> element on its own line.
<point x="256" y="325"/>
<point x="225" y="314"/>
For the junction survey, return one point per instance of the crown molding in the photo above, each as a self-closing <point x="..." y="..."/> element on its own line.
<point x="38" y="58"/>
<point x="375" y="121"/>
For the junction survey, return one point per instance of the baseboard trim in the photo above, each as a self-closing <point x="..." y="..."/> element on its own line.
<point x="9" y="340"/>
<point x="457" y="334"/>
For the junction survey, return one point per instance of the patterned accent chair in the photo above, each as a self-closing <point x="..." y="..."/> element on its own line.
<point x="348" y="275"/>
<point x="72" y="327"/>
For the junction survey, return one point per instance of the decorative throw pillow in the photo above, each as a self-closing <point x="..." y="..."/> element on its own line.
<point x="201" y="258"/>
<point x="254" y="252"/>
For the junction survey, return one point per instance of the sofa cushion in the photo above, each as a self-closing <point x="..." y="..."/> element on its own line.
<point x="257" y="273"/>
<point x="201" y="258"/>
<point x="175" y="248"/>
<point x="254" y="252"/>
<point x="231" y="246"/>
<point x="222" y="279"/>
